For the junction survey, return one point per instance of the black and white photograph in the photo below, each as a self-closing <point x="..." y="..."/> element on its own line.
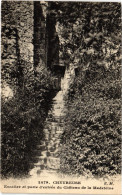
<point x="61" y="97"/>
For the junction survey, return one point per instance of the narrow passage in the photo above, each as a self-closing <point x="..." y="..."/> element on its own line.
<point x="48" y="158"/>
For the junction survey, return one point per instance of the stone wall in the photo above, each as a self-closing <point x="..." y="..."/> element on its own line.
<point x="39" y="35"/>
<point x="29" y="42"/>
<point x="17" y="40"/>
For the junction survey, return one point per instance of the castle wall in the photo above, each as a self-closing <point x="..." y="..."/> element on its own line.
<point x="17" y="40"/>
<point x="29" y="42"/>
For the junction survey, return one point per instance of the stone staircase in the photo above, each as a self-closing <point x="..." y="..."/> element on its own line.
<point x="47" y="159"/>
<point x="47" y="154"/>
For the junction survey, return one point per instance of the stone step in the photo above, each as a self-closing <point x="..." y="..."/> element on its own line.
<point x="48" y="151"/>
<point x="52" y="136"/>
<point x="46" y="130"/>
<point x="53" y="163"/>
<point x="41" y="162"/>
<point x="46" y="172"/>
<point x="53" y="139"/>
<point x="57" y="136"/>
<point x="52" y="154"/>
<point x="57" y="141"/>
<point x="59" y="132"/>
<point x="48" y="123"/>
<point x="41" y="167"/>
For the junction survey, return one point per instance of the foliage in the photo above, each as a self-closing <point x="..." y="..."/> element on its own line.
<point x="91" y="140"/>
<point x="91" y="41"/>
<point x="22" y="123"/>
<point x="89" y="32"/>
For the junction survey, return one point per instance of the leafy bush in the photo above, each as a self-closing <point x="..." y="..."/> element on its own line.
<point x="23" y="117"/>
<point x="90" y="39"/>
<point x="92" y="136"/>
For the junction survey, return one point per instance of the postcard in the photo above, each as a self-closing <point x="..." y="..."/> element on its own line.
<point x="61" y="92"/>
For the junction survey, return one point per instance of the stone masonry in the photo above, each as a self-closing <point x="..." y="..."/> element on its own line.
<point x="17" y="40"/>
<point x="23" y="40"/>
<point x="29" y="42"/>
<point x="19" y="15"/>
